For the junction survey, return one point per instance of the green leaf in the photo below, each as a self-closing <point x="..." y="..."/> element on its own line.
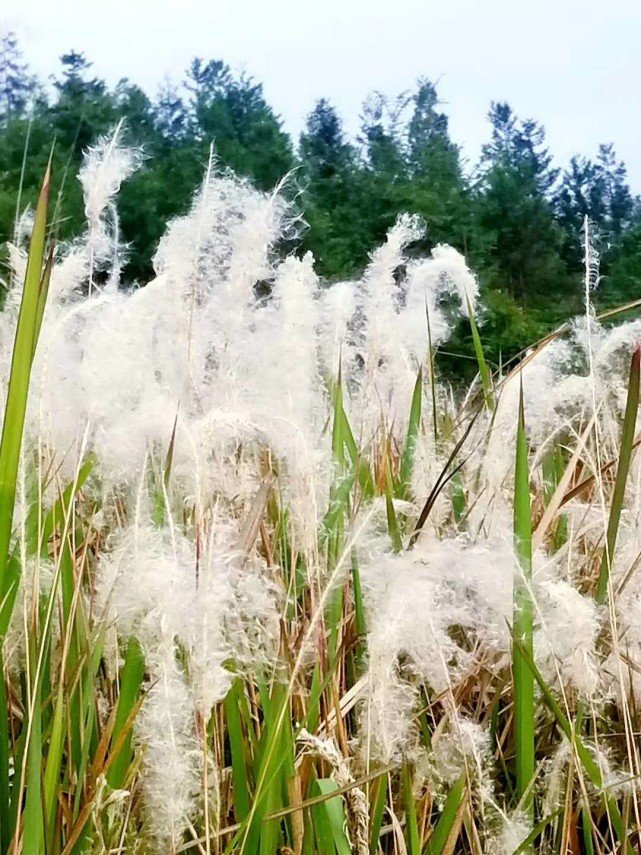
<point x="392" y="522"/>
<point x="523" y="618"/>
<point x="484" y="372"/>
<point x="6" y="826"/>
<point x="407" y="459"/>
<point x="53" y="766"/>
<point x="240" y="789"/>
<point x="625" y="457"/>
<point x="439" y="837"/>
<point x="33" y="817"/>
<point x="130" y="682"/>
<point x="359" y="614"/>
<point x="29" y="318"/>
<point x="412" y="833"/>
<point x="329" y="821"/>
<point x="376" y="814"/>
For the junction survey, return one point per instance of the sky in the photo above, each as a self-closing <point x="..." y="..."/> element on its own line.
<point x="574" y="66"/>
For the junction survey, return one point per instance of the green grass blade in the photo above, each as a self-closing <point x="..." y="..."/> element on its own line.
<point x="623" y="467"/>
<point x="439" y="837"/>
<point x="432" y="377"/>
<point x="523" y="617"/>
<point x="586" y="827"/>
<point x="33" y="817"/>
<point x="392" y="521"/>
<point x="484" y="372"/>
<point x="6" y="827"/>
<point x="253" y="836"/>
<point x="359" y="614"/>
<point x="53" y="767"/>
<point x="338" y="441"/>
<point x="412" y="833"/>
<point x="536" y="832"/>
<point x="329" y="821"/>
<point x="376" y="813"/>
<point x="407" y="459"/>
<point x="343" y="440"/>
<point x="240" y="790"/>
<point x="43" y="293"/>
<point x="18" y="387"/>
<point x="130" y="682"/>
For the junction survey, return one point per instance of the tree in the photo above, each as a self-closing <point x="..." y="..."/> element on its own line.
<point x="579" y="195"/>
<point x="383" y="150"/>
<point x="436" y="187"/>
<point x="617" y="198"/>
<point x="171" y="114"/>
<point x="598" y="190"/>
<point x="17" y="86"/>
<point x="382" y="134"/>
<point x="519" y="146"/>
<point x="333" y="179"/>
<point x="233" y="114"/>
<point x="84" y="108"/>
<point x="22" y="118"/>
<point x="515" y="211"/>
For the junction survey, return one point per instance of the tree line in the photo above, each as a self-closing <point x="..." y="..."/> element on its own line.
<point x="515" y="216"/>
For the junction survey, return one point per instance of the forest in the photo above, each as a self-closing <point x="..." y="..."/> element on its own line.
<point x="515" y="214"/>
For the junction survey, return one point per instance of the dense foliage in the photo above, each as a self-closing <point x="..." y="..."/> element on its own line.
<point x="515" y="217"/>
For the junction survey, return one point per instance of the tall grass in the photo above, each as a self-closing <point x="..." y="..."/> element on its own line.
<point x="324" y="605"/>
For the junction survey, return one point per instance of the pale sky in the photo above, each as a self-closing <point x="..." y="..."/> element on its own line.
<point x="575" y="65"/>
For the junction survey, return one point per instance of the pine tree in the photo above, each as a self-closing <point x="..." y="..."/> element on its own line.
<point x="333" y="184"/>
<point x="382" y="134"/>
<point x="171" y="114"/>
<point x="519" y="146"/>
<point x="84" y="108"/>
<point x="232" y="113"/>
<point x="599" y="190"/>
<point x="515" y="211"/>
<point x="618" y="201"/>
<point x="383" y="145"/>
<point x="17" y="86"/>
<point x="436" y="188"/>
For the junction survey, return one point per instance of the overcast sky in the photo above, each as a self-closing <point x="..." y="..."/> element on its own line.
<point x="574" y="66"/>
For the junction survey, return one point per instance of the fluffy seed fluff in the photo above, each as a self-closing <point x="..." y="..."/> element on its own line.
<point x="223" y="366"/>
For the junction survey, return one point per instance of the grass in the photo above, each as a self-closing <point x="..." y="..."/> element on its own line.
<point x="524" y="712"/>
<point x="286" y="778"/>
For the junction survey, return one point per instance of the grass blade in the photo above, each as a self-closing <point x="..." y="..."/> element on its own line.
<point x="484" y="372"/>
<point x="523" y="617"/>
<point x="6" y="827"/>
<point x="53" y="766"/>
<point x="329" y="821"/>
<point x="412" y="832"/>
<point x="240" y="789"/>
<point x="27" y="329"/>
<point x="377" y="812"/>
<point x="407" y="459"/>
<point x="131" y="679"/>
<point x="33" y="817"/>
<point x="451" y="809"/>
<point x="623" y="467"/>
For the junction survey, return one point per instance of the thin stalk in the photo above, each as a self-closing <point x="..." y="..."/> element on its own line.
<point x="523" y="620"/>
